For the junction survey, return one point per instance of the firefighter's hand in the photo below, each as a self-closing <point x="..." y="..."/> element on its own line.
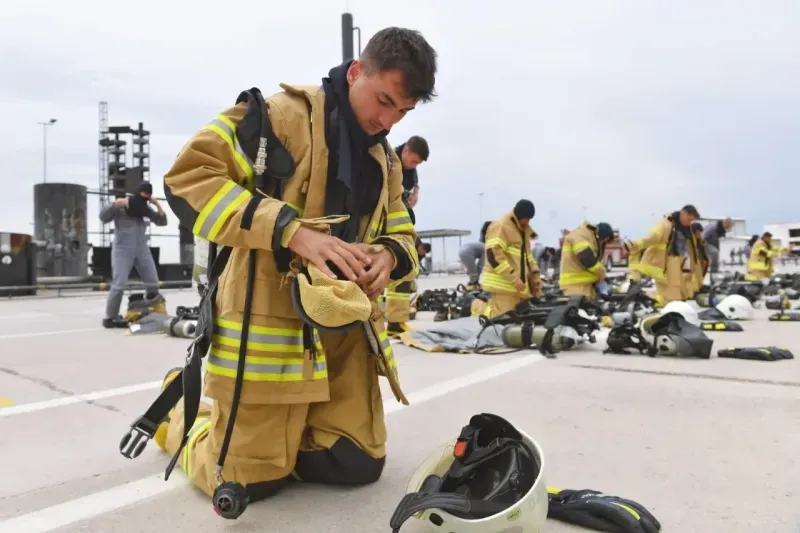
<point x="519" y="285"/>
<point x="374" y="281"/>
<point x="121" y="202"/>
<point x="319" y="247"/>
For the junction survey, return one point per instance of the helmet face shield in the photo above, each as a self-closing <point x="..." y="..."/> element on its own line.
<point x="488" y="480"/>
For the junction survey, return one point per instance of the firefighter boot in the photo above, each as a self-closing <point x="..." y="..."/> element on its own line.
<point x="396" y="328"/>
<point x="160" y="436"/>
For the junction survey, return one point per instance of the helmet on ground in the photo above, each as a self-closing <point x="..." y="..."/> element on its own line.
<point x="736" y="307"/>
<point x="489" y="480"/>
<point x="671" y="334"/>
<point x="684" y="309"/>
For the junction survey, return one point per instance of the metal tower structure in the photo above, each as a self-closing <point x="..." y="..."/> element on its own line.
<point x="102" y="181"/>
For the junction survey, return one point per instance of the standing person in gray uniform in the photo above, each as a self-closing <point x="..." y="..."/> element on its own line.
<point x="131" y="217"/>
<point x="473" y="255"/>
<point x="712" y="233"/>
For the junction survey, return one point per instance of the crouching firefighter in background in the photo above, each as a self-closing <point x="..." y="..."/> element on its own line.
<point x="290" y="319"/>
<point x="510" y="274"/>
<point x="662" y="254"/>
<point x="398" y="296"/>
<point x="582" y="272"/>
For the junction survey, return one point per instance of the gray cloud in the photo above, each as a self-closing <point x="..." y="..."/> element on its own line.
<point x="628" y="108"/>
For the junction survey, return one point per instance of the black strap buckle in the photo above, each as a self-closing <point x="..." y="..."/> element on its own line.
<point x="135" y="440"/>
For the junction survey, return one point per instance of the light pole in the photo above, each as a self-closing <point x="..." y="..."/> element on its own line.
<point x="44" y="126"/>
<point x="480" y="209"/>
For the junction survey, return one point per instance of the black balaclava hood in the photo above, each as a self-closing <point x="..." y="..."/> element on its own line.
<point x="605" y="231"/>
<point x="354" y="167"/>
<point x="138" y="205"/>
<point x="524" y="209"/>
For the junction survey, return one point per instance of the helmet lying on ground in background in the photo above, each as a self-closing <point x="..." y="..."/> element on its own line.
<point x="489" y="480"/>
<point x="732" y="307"/>
<point x="684" y="309"/>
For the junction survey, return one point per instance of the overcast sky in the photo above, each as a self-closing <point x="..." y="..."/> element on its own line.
<point x="616" y="110"/>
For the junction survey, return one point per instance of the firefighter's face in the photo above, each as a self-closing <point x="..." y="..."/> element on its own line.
<point x="378" y="98"/>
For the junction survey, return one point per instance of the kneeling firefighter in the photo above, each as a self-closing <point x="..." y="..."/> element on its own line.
<point x="510" y="274"/>
<point x="661" y="255"/>
<point x="398" y="296"/>
<point x="290" y="318"/>
<point x="582" y="270"/>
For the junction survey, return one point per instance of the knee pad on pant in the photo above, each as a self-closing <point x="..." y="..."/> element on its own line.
<point x="264" y="489"/>
<point x="343" y="464"/>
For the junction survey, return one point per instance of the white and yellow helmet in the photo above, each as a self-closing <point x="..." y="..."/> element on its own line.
<point x="489" y="480"/>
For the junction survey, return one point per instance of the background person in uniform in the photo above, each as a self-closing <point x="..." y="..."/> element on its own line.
<point x="473" y="256"/>
<point x="131" y="217"/>
<point x="412" y="153"/>
<point x="712" y="233"/>
<point x="662" y="255"/>
<point x="582" y="271"/>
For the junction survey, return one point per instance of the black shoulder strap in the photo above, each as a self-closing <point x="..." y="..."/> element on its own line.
<point x="258" y="140"/>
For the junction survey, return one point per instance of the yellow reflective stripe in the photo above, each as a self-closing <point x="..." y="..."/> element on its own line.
<point x="627" y="508"/>
<point x="576" y="278"/>
<point x="649" y="270"/>
<point x="399" y="296"/>
<point x="502" y="266"/>
<point x="513" y="251"/>
<point x="199" y="428"/>
<point x="219" y="208"/>
<point x="500" y="243"/>
<point x="224" y="127"/>
<point x="595" y="267"/>
<point x="582" y="245"/>
<point x="257" y="368"/>
<point x="388" y="353"/>
<point x="493" y="281"/>
<point x="398" y="222"/>
<point x="265" y="339"/>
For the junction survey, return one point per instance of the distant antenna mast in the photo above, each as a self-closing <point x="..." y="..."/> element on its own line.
<point x="347" y="37"/>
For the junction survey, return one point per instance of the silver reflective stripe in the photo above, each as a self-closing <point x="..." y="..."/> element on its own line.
<point x="262" y="338"/>
<point x="397" y="222"/>
<point x="258" y="368"/>
<point x="236" y="146"/>
<point x="219" y="209"/>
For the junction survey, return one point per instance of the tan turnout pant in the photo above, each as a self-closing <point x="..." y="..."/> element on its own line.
<point x="267" y="438"/>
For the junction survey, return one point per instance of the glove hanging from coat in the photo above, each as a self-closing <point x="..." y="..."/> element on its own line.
<point x="601" y="512"/>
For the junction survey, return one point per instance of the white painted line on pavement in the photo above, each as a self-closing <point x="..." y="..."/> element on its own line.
<point x="46" y="333"/>
<point x="109" y="500"/>
<point x="78" y="398"/>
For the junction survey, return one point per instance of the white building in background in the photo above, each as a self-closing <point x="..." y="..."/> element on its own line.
<point x="785" y="235"/>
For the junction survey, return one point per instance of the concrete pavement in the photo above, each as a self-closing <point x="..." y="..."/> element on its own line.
<point x="707" y="446"/>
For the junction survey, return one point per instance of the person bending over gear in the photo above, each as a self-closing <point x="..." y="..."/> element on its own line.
<point x="582" y="271"/>
<point x="398" y="297"/>
<point x="694" y="278"/>
<point x="712" y="234"/>
<point x="662" y="253"/>
<point x="510" y="274"/>
<point x="760" y="264"/>
<point x="412" y="154"/>
<point x="310" y="405"/>
<point x="131" y="216"/>
<point x="473" y="257"/>
<point x="544" y="256"/>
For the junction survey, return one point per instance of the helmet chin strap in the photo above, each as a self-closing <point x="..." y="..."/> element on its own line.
<point x="415" y="502"/>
